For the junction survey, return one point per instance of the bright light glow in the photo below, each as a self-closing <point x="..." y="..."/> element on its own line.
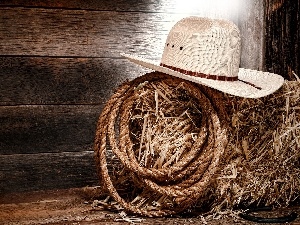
<point x="227" y="9"/>
<point x="221" y="9"/>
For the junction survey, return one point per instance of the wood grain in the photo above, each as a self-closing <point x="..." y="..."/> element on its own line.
<point x="283" y="37"/>
<point x="47" y="128"/>
<point x="212" y="8"/>
<point x="46" y="80"/>
<point x="82" y="33"/>
<point x="44" y="171"/>
<point x="55" y="32"/>
<point x="115" y="5"/>
<point x="251" y="25"/>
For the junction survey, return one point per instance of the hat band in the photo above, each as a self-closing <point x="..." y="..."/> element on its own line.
<point x="201" y="75"/>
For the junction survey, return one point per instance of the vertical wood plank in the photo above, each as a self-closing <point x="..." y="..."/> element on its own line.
<point x="251" y="24"/>
<point x="283" y="37"/>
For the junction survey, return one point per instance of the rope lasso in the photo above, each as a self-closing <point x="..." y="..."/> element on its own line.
<point x="168" y="137"/>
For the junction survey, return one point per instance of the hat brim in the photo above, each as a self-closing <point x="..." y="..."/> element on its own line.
<point x="250" y="83"/>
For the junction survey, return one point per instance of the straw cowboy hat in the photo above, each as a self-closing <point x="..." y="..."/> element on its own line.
<point x="207" y="51"/>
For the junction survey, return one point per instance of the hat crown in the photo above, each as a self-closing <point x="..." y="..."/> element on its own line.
<point x="204" y="45"/>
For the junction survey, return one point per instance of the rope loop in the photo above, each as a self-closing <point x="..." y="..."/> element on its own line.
<point x="161" y="139"/>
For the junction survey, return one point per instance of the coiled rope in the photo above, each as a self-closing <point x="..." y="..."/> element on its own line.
<point x="168" y="136"/>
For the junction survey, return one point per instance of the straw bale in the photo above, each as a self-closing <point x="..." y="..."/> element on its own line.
<point x="262" y="161"/>
<point x="159" y="137"/>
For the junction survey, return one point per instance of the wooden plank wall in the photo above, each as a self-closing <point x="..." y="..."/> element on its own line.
<point x="283" y="37"/>
<point x="60" y="62"/>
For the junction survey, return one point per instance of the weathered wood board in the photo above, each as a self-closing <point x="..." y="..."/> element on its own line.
<point x="47" y="128"/>
<point x="57" y="80"/>
<point x="44" y="171"/>
<point x="283" y="37"/>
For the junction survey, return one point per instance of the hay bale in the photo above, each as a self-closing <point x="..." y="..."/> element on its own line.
<point x="160" y="139"/>
<point x="262" y="164"/>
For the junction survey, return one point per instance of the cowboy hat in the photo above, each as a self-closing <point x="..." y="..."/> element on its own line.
<point x="207" y="51"/>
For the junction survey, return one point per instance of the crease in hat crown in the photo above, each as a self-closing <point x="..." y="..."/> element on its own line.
<point x="204" y="46"/>
<point x="207" y="51"/>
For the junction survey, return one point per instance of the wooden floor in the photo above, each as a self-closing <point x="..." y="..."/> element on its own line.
<point x="82" y="206"/>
